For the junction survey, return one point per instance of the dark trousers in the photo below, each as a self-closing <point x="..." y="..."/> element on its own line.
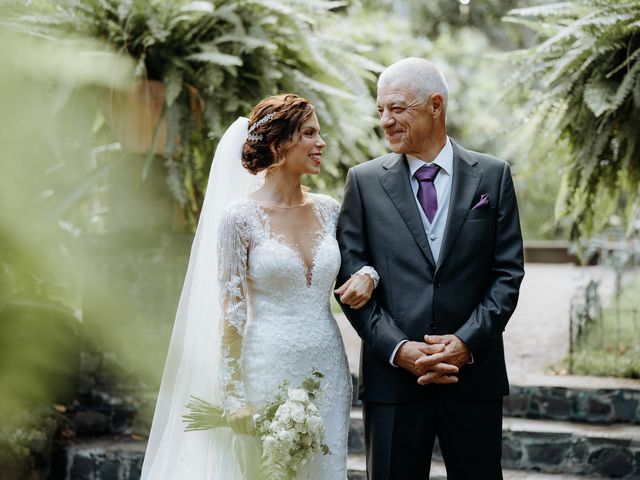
<point x="399" y="438"/>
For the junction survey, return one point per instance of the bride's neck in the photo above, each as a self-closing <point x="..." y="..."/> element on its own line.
<point x="281" y="189"/>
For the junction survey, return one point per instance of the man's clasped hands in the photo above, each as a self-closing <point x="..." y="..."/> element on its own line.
<point x="436" y="360"/>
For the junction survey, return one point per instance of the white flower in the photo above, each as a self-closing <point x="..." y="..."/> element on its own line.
<point x="284" y="410"/>
<point x="285" y="436"/>
<point x="298" y="395"/>
<point x="297" y="412"/>
<point x="314" y="423"/>
<point x="268" y="442"/>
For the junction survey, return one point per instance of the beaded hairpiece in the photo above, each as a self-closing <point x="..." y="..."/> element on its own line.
<point x="255" y="137"/>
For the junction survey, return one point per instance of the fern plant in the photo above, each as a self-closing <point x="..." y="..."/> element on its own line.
<point x="585" y="81"/>
<point x="217" y="58"/>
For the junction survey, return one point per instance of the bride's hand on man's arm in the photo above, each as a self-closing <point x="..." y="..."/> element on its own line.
<point x="241" y="420"/>
<point x="356" y="291"/>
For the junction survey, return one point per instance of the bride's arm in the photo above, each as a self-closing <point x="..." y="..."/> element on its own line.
<point x="233" y="245"/>
<point x="356" y="290"/>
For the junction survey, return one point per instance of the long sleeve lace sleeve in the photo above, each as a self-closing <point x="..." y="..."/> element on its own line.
<point x="332" y="211"/>
<point x="233" y="244"/>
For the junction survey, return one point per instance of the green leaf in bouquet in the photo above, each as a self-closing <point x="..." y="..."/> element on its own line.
<point x="312" y="384"/>
<point x="271" y="410"/>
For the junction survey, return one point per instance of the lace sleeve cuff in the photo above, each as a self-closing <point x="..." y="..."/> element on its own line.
<point x="233" y="396"/>
<point x="367" y="270"/>
<point x="233" y="402"/>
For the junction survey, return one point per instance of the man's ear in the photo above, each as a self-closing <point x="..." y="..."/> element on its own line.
<point x="437" y="103"/>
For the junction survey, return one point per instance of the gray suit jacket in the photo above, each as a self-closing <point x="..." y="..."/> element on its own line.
<point x="471" y="292"/>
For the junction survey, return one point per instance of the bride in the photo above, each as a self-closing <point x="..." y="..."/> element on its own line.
<point x="254" y="310"/>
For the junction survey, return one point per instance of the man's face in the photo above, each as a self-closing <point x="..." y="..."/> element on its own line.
<point x="406" y="121"/>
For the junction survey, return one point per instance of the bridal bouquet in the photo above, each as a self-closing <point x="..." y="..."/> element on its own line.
<point x="290" y="427"/>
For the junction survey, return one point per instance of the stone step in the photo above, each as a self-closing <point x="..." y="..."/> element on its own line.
<point x="554" y="447"/>
<point x="571" y="398"/>
<point x="356" y="465"/>
<point x="121" y="459"/>
<point x="100" y="459"/>
<point x="575" y="398"/>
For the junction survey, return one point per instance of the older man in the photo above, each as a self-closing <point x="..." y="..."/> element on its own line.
<point x="440" y="225"/>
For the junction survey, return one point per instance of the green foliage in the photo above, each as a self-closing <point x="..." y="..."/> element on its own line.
<point x="434" y="18"/>
<point x="39" y="146"/>
<point x="437" y="17"/>
<point x="218" y="58"/>
<point x="585" y="77"/>
<point x="26" y="444"/>
<point x="538" y="160"/>
<point x="610" y="345"/>
<point x="43" y="151"/>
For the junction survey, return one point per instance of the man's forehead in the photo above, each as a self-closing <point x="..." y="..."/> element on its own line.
<point x="398" y="92"/>
<point x="388" y="97"/>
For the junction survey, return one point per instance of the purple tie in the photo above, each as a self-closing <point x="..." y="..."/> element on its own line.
<point x="427" y="190"/>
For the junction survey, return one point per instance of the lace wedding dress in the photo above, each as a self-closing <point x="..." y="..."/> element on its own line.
<point x="277" y="268"/>
<point x="254" y="312"/>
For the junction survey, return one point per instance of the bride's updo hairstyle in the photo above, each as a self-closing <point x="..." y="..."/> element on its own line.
<point x="273" y="125"/>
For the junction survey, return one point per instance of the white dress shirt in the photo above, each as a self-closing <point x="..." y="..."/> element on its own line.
<point x="442" y="183"/>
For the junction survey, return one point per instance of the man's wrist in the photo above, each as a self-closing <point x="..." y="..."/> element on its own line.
<point x="392" y="358"/>
<point x="470" y="361"/>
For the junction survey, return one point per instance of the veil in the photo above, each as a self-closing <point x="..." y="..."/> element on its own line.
<point x="192" y="363"/>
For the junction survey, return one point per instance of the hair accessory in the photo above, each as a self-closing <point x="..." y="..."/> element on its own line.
<point x="255" y="137"/>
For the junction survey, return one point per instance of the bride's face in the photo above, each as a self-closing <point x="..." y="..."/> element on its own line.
<point x="304" y="155"/>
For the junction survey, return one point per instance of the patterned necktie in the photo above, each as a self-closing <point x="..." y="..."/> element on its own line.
<point x="427" y="190"/>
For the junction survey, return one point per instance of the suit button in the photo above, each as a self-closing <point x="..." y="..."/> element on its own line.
<point x="433" y="326"/>
<point x="437" y="285"/>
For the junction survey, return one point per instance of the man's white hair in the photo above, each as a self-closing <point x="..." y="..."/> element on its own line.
<point x="423" y="77"/>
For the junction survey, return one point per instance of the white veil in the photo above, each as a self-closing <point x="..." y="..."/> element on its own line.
<point x="192" y="362"/>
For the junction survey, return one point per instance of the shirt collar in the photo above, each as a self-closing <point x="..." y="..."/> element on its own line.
<point x="444" y="160"/>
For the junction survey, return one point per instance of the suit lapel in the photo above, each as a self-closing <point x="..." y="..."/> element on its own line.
<point x="395" y="180"/>
<point x="466" y="178"/>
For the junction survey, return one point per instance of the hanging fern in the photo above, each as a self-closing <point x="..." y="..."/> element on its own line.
<point x="586" y="81"/>
<point x="217" y="58"/>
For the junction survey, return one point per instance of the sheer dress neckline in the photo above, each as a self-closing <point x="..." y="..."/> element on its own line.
<point x="318" y="232"/>
<point x="286" y="207"/>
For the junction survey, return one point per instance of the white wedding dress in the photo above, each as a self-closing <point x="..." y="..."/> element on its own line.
<point x="253" y="313"/>
<point x="278" y="323"/>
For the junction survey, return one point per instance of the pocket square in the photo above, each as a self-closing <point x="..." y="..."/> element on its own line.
<point x="485" y="201"/>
